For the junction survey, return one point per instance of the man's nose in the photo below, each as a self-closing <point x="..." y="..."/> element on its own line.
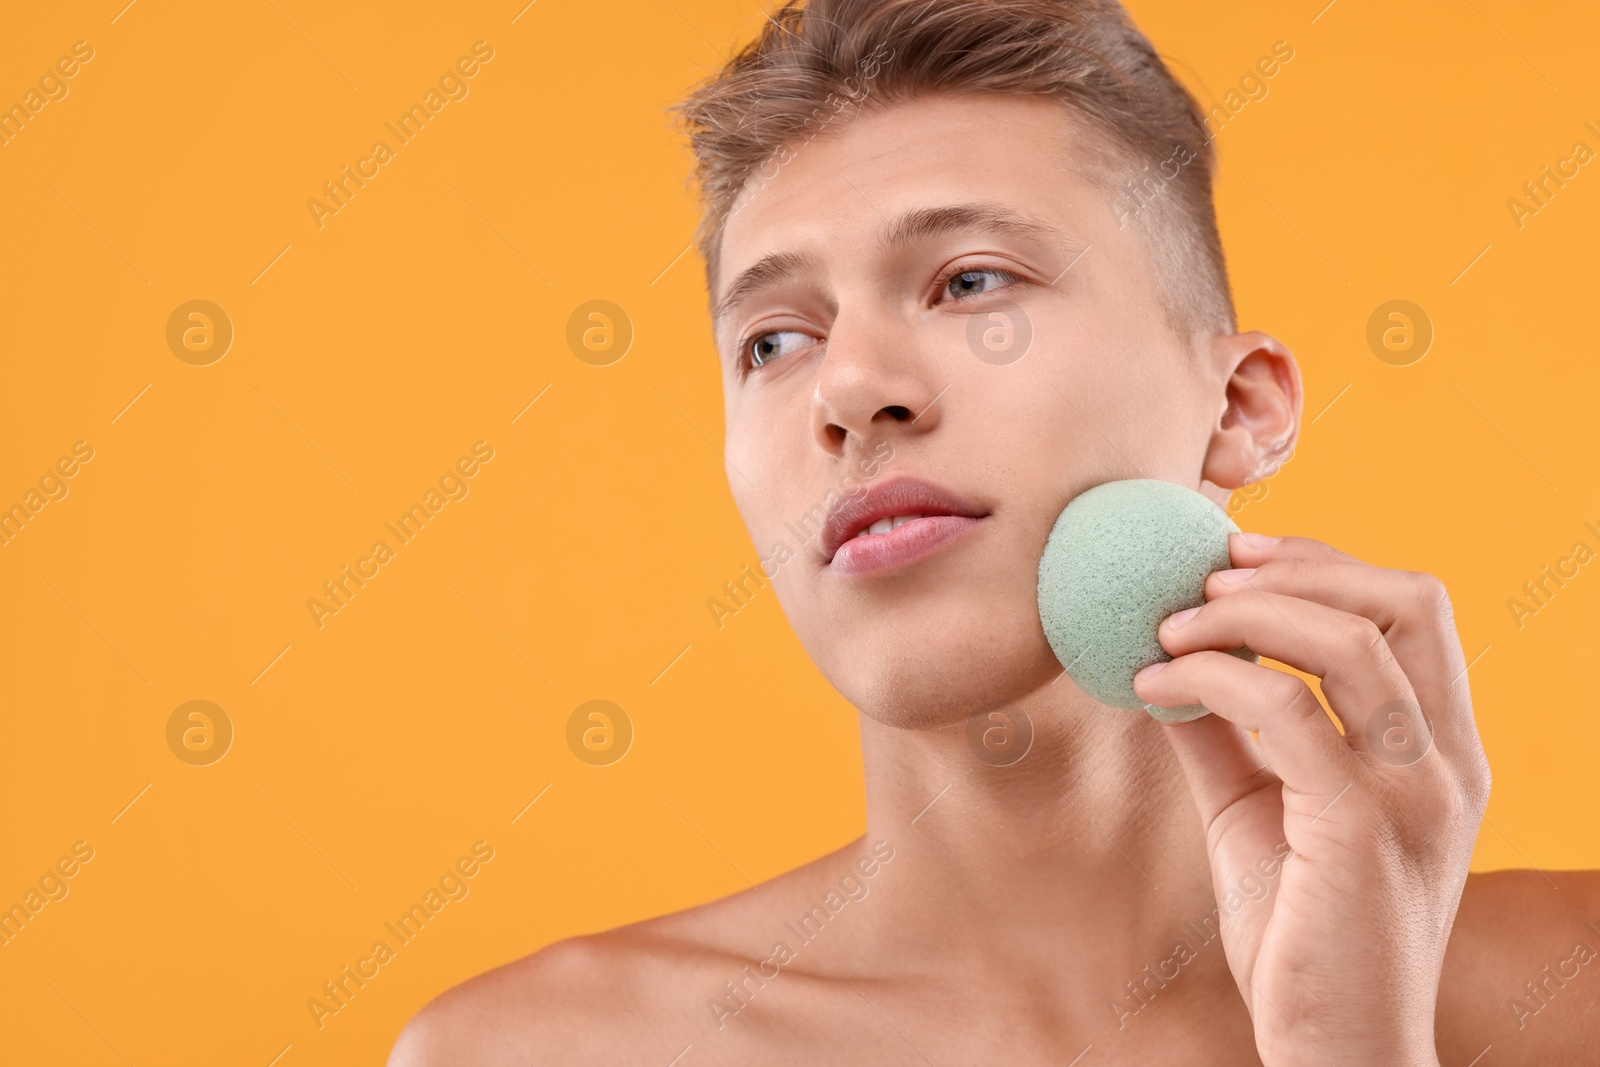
<point x="872" y="383"/>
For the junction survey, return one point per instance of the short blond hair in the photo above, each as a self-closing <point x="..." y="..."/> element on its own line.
<point x="817" y="62"/>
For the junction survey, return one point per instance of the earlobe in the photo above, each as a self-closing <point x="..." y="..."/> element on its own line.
<point x="1260" y="418"/>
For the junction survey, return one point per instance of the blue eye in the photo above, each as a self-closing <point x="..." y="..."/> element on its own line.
<point x="769" y="346"/>
<point x="973" y="282"/>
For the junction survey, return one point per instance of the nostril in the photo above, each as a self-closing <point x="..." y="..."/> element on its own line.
<point x="898" y="413"/>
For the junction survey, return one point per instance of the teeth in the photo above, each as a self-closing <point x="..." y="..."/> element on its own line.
<point x="884" y="525"/>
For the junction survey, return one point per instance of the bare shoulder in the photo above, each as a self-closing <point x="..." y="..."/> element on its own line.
<point x="635" y="991"/>
<point x="1522" y="973"/>
<point x="565" y="998"/>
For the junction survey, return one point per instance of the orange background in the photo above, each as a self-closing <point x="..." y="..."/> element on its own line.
<point x="371" y="753"/>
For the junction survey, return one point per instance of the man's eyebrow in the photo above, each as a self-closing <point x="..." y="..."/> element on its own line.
<point x="917" y="224"/>
<point x="768" y="270"/>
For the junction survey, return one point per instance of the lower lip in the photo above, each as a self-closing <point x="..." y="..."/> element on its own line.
<point x="910" y="541"/>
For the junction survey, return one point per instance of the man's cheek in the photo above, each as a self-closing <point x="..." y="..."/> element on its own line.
<point x="791" y="583"/>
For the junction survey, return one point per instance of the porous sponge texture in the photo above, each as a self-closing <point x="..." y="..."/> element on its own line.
<point x="1122" y="557"/>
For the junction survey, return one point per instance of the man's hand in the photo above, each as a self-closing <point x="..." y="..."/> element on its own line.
<point x="1340" y="963"/>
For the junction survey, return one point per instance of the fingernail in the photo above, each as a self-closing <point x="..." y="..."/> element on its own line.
<point x="1181" y="617"/>
<point x="1236" y="575"/>
<point x="1152" y="670"/>
<point x="1255" y="540"/>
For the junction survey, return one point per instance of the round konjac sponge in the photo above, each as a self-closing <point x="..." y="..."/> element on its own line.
<point x="1122" y="557"/>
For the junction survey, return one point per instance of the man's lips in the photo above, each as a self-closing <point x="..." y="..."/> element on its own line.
<point x="891" y="523"/>
<point x="872" y="554"/>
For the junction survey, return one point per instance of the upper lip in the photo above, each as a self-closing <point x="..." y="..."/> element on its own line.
<point x="899" y="496"/>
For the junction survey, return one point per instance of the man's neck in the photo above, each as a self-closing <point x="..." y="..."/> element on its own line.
<point x="1079" y="867"/>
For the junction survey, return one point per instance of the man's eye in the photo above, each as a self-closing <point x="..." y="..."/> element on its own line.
<point x="972" y="282"/>
<point x="769" y="346"/>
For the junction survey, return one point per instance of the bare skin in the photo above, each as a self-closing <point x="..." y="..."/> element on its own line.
<point x="1127" y="892"/>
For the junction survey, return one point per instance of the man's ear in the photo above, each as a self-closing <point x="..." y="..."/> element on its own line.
<point x="1260" y="422"/>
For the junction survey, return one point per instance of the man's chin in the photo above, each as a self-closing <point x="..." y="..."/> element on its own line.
<point x="933" y="677"/>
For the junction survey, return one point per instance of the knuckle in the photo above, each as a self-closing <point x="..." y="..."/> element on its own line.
<point x="1428" y="593"/>
<point x="1419" y="805"/>
<point x="1433" y="806"/>
<point x="1450" y="810"/>
<point x="1358" y="635"/>
<point x="1476" y="781"/>
<point x="1294" y="696"/>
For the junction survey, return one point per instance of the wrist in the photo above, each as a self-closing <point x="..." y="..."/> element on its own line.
<point x="1299" y="1051"/>
<point x="1322" y="1056"/>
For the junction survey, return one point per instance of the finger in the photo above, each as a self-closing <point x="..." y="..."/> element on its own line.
<point x="1347" y="652"/>
<point x="1297" y="738"/>
<point x="1410" y="607"/>
<point x="1247" y="549"/>
<point x="1221" y="763"/>
<point x="1241" y="807"/>
<point x="1387" y="597"/>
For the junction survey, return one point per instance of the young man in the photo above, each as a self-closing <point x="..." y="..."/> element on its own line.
<point x="964" y="265"/>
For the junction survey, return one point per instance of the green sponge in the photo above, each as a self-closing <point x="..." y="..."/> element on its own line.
<point x="1122" y="557"/>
